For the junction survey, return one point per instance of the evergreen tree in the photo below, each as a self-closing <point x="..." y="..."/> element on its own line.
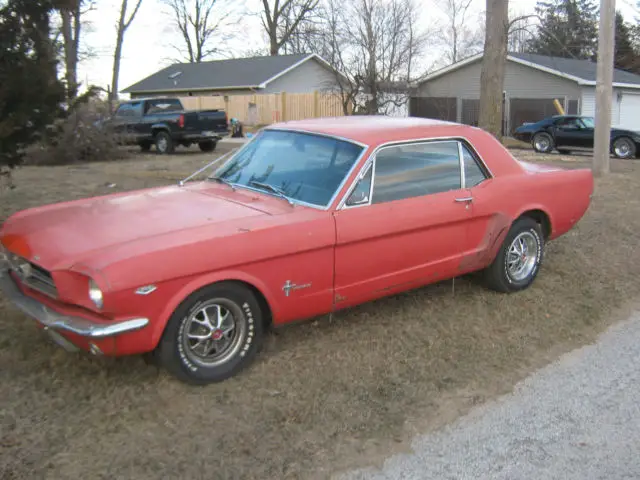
<point x="568" y="28"/>
<point x="30" y="92"/>
<point x="626" y="56"/>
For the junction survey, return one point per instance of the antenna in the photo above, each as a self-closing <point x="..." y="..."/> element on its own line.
<point x="208" y="165"/>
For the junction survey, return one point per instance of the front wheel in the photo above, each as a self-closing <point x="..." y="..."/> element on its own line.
<point x="518" y="261"/>
<point x="207" y="146"/>
<point x="542" y="143"/>
<point x="624" y="147"/>
<point x="212" y="335"/>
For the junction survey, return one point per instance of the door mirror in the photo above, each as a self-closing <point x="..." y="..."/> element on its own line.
<point x="358" y="198"/>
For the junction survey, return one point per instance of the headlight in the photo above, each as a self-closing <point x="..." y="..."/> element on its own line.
<point x="95" y="294"/>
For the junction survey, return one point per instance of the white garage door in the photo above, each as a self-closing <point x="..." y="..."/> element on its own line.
<point x="630" y="111"/>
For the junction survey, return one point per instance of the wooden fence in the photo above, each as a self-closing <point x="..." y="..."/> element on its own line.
<point x="264" y="109"/>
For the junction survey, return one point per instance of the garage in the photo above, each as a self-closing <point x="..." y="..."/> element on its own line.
<point x="630" y="111"/>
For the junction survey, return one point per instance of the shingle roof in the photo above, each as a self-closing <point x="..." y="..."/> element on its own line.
<point x="584" y="69"/>
<point x="584" y="72"/>
<point x="217" y="74"/>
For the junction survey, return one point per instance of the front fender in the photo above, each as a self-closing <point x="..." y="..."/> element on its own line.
<point x="195" y="284"/>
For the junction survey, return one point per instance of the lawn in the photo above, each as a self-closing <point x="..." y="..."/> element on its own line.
<point x="322" y="396"/>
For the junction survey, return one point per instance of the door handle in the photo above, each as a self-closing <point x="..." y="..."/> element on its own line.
<point x="464" y="199"/>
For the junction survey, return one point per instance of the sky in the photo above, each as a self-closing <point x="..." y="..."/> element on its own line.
<point x="148" y="42"/>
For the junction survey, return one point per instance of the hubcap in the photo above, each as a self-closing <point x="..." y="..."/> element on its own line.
<point x="622" y="149"/>
<point x="212" y="334"/>
<point x="542" y="143"/>
<point x="522" y="256"/>
<point x="162" y="144"/>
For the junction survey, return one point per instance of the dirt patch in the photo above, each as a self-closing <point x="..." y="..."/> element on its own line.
<point x="322" y="396"/>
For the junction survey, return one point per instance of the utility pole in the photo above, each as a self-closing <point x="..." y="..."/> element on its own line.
<point x="604" y="87"/>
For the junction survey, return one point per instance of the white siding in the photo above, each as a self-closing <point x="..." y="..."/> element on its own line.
<point x="306" y="78"/>
<point x="588" y="102"/>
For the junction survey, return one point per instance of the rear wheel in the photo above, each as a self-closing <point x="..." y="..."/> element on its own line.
<point x="212" y="335"/>
<point x="542" y="143"/>
<point x="164" y="143"/>
<point x="518" y="261"/>
<point x="208" y="146"/>
<point x="624" y="147"/>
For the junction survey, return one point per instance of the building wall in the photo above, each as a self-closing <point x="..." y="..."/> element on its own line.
<point x="588" y="102"/>
<point x="520" y="82"/>
<point x="306" y="78"/>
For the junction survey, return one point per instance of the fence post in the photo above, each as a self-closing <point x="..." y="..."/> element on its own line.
<point x="283" y="98"/>
<point x="316" y="104"/>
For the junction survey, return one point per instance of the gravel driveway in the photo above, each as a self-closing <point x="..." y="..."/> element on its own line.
<point x="579" y="418"/>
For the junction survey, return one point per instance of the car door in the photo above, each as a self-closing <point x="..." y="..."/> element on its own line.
<point x="404" y="224"/>
<point x="571" y="132"/>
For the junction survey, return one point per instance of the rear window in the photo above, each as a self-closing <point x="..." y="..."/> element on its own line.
<point x="162" y="105"/>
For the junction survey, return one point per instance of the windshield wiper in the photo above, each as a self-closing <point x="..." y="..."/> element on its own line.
<point x="278" y="191"/>
<point x="223" y="180"/>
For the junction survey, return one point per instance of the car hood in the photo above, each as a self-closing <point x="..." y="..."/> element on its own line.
<point x="57" y="236"/>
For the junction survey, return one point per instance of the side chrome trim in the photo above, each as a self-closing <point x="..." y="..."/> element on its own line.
<point x="461" y="163"/>
<point x="56" y="321"/>
<point x="372" y="155"/>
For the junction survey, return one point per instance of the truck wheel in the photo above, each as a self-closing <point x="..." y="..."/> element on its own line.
<point x="164" y="143"/>
<point x="212" y="335"/>
<point x="208" y="146"/>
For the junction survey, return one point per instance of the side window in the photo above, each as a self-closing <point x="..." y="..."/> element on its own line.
<point x="124" y="110"/>
<point x="414" y="170"/>
<point x="360" y="194"/>
<point x="473" y="174"/>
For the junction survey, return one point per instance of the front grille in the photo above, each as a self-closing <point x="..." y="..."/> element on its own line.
<point x="33" y="276"/>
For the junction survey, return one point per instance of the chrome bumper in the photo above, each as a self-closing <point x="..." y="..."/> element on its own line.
<point x="56" y="321"/>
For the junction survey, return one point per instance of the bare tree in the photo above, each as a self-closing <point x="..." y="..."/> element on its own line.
<point x="493" y="66"/>
<point x="460" y="36"/>
<point x="71" y="13"/>
<point x="201" y="25"/>
<point x="281" y="20"/>
<point x="123" y="24"/>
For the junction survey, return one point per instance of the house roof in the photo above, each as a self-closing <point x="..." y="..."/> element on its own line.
<point x="236" y="73"/>
<point x="584" y="72"/>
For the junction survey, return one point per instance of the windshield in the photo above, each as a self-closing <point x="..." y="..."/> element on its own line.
<point x="588" y="122"/>
<point x="301" y="166"/>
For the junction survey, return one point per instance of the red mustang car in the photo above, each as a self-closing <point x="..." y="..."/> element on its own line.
<point x="306" y="218"/>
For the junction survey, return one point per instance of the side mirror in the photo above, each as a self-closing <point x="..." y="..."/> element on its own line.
<point x="358" y="198"/>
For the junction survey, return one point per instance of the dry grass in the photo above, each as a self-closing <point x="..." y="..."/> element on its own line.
<point x="322" y="396"/>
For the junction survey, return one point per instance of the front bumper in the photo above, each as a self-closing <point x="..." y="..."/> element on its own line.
<point x="52" y="320"/>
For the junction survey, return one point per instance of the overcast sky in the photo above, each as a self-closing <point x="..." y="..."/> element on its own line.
<point x="148" y="41"/>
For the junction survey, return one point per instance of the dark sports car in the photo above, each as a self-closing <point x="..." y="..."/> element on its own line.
<point x="573" y="132"/>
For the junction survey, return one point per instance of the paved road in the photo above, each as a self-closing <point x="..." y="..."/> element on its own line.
<point x="579" y="418"/>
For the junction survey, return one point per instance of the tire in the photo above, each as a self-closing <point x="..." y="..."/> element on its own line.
<point x="542" y="143"/>
<point x="208" y="146"/>
<point x="563" y="151"/>
<point x="145" y="147"/>
<point x="624" y="147"/>
<point x="185" y="358"/>
<point x="164" y="143"/>
<point x="501" y="275"/>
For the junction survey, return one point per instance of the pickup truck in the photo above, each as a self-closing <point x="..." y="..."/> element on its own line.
<point x="165" y="123"/>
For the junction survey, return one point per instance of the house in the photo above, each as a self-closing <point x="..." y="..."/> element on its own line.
<point x="303" y="73"/>
<point x="532" y="82"/>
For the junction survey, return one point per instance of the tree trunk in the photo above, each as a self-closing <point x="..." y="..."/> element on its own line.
<point x="493" y="67"/>
<point x="70" y="53"/>
<point x="273" y="43"/>
<point x="116" y="66"/>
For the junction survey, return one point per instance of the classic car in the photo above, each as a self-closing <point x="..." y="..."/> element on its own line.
<point x="306" y="218"/>
<point x="567" y="133"/>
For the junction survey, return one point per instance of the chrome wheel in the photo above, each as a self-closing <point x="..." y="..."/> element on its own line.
<point x="542" y="143"/>
<point x="622" y="148"/>
<point x="213" y="333"/>
<point x="522" y="256"/>
<point x="162" y="144"/>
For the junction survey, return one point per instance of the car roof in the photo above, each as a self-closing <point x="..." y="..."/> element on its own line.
<point x="375" y="129"/>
